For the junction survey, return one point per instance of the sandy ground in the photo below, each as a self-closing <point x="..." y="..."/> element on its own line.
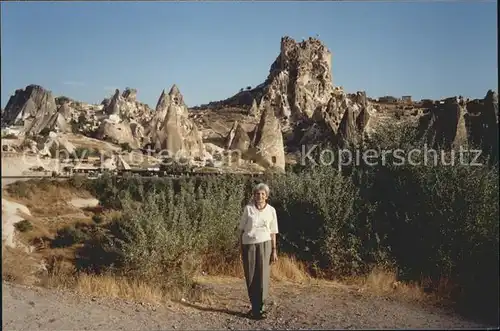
<point x="83" y="203"/>
<point x="20" y="165"/>
<point x="10" y="216"/>
<point x="292" y="307"/>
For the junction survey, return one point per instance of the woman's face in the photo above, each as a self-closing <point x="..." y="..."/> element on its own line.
<point x="260" y="196"/>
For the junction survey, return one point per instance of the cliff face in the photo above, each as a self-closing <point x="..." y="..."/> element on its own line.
<point x="34" y="108"/>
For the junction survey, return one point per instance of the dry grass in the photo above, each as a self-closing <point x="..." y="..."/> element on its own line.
<point x="287" y="268"/>
<point x="110" y="215"/>
<point x="384" y="282"/>
<point x="19" y="266"/>
<point x="116" y="287"/>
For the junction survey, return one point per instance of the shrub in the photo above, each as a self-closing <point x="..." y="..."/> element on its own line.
<point x="20" y="189"/>
<point x="24" y="226"/>
<point x="9" y="136"/>
<point x="70" y="235"/>
<point x="98" y="219"/>
<point x="126" y="147"/>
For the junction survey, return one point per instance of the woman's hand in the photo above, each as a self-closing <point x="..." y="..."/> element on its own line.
<point x="274" y="256"/>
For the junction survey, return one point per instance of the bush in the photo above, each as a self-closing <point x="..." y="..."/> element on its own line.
<point x="9" y="136"/>
<point x="126" y="147"/>
<point x="24" y="226"/>
<point x="70" y="235"/>
<point x="19" y="189"/>
<point x="98" y="219"/>
<point x="83" y="153"/>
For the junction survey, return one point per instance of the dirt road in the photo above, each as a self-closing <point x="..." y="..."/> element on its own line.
<point x="292" y="307"/>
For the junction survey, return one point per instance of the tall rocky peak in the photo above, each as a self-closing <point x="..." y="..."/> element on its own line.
<point x="163" y="101"/>
<point x="300" y="78"/>
<point x="171" y="129"/>
<point x="130" y="94"/>
<point x="299" y="81"/>
<point x="32" y="107"/>
<point x="254" y="110"/>
<point x="177" y="100"/>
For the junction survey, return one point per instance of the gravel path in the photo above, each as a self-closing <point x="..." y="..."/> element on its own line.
<point x="292" y="307"/>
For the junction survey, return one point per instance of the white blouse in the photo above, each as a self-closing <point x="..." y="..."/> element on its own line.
<point x="258" y="225"/>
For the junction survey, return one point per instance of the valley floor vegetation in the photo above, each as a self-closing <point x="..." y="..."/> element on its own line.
<point x="434" y="226"/>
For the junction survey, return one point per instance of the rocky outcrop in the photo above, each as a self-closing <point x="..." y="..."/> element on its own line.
<point x="126" y="106"/>
<point x="300" y="78"/>
<point x="482" y="122"/>
<point x="57" y="146"/>
<point x="237" y="138"/>
<point x="300" y="89"/>
<point x="345" y="121"/>
<point x="60" y="122"/>
<point x="254" y="109"/>
<point x="299" y="81"/>
<point x="443" y="124"/>
<point x="267" y="147"/>
<point x="115" y="130"/>
<point x="34" y="107"/>
<point x="171" y="130"/>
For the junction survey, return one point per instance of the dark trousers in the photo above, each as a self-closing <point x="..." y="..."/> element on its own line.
<point x="256" y="265"/>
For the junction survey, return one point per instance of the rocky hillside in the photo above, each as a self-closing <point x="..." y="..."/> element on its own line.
<point x="297" y="98"/>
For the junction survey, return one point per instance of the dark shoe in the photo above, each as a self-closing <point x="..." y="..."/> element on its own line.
<point x="256" y="315"/>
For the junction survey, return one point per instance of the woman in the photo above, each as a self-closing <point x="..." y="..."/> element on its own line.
<point x="258" y="226"/>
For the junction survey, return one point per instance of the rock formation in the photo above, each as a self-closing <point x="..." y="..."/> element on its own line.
<point x="443" y="124"/>
<point x="482" y="122"/>
<point x="61" y="119"/>
<point x="343" y="121"/>
<point x="33" y="107"/>
<point x="299" y="88"/>
<point x="300" y="78"/>
<point x="254" y="110"/>
<point x="299" y="81"/>
<point x="237" y="138"/>
<point x="267" y="147"/>
<point x="118" y="132"/>
<point x="57" y="146"/>
<point x="170" y="128"/>
<point x="126" y="106"/>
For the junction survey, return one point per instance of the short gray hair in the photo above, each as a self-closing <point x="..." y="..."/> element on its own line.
<point x="261" y="187"/>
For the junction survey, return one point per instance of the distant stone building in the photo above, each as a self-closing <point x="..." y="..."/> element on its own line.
<point x="406" y="98"/>
<point x="387" y="99"/>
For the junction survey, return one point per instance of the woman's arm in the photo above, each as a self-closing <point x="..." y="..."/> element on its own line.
<point x="241" y="226"/>
<point x="274" y="231"/>
<point x="273" y="242"/>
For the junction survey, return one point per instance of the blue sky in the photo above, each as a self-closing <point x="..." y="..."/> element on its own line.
<point x="210" y="50"/>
